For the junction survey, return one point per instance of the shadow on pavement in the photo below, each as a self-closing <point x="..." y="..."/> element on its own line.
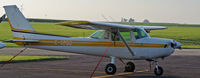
<point x="125" y="76"/>
<point x="23" y="61"/>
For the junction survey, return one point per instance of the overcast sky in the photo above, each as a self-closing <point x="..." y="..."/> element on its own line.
<point x="173" y="11"/>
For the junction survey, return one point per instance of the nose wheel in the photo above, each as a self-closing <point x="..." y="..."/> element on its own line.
<point x="158" y="71"/>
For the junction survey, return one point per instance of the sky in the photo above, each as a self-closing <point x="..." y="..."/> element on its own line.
<point x="164" y="11"/>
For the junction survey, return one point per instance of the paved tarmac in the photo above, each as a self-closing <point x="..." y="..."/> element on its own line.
<point x="182" y="64"/>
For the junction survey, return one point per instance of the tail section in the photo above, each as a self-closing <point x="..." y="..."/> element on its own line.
<point x="21" y="28"/>
<point x="16" y="19"/>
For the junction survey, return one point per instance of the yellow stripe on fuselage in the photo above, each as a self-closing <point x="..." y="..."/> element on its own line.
<point x="46" y="42"/>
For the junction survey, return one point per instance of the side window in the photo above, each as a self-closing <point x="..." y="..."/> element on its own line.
<point x="116" y="37"/>
<point x="139" y="33"/>
<point x="126" y="36"/>
<point x="98" y="35"/>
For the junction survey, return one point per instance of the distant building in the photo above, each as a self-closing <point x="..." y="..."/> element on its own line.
<point x="131" y="20"/>
<point x="146" y="21"/>
<point x="124" y="19"/>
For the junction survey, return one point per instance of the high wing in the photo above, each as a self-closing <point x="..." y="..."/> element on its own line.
<point x="106" y="26"/>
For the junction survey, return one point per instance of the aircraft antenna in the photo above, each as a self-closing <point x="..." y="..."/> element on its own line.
<point x="104" y="17"/>
<point x="111" y="18"/>
<point x="21" y="6"/>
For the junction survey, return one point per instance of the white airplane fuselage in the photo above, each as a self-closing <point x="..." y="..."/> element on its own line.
<point x="144" y="48"/>
<point x="120" y="52"/>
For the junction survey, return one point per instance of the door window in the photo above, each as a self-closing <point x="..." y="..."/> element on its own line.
<point x="116" y="37"/>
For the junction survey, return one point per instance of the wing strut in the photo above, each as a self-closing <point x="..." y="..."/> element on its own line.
<point x="125" y="42"/>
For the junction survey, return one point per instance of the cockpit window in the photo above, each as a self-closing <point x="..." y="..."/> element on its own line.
<point x="98" y="35"/>
<point x="139" y="33"/>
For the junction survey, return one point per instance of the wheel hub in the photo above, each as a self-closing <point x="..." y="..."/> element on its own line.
<point x="110" y="69"/>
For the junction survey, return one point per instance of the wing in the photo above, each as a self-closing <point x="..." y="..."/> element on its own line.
<point x="106" y="26"/>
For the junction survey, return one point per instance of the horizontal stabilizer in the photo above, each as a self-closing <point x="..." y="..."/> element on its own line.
<point x="28" y="41"/>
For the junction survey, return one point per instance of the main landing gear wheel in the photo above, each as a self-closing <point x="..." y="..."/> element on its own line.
<point x="130" y="67"/>
<point x="110" y="69"/>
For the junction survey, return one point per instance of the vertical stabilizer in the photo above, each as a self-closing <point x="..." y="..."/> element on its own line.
<point x="21" y="29"/>
<point x="16" y="19"/>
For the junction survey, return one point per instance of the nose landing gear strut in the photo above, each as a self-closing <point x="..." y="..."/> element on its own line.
<point x="158" y="71"/>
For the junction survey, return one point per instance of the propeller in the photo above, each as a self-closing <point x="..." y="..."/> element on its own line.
<point x="176" y="44"/>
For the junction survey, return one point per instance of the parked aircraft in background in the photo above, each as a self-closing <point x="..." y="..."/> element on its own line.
<point x="2" y="45"/>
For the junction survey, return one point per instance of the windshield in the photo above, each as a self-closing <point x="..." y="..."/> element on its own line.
<point x="139" y="33"/>
<point x="98" y="35"/>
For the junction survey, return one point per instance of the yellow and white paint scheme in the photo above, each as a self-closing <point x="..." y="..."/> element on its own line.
<point x="140" y="43"/>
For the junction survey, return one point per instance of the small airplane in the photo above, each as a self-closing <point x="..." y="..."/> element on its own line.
<point x="125" y="42"/>
<point x="2" y="45"/>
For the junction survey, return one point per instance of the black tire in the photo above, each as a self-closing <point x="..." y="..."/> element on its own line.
<point x="130" y="67"/>
<point x="110" y="69"/>
<point x="159" y="71"/>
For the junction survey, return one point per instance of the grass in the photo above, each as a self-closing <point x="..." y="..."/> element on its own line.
<point x="188" y="35"/>
<point x="5" y="58"/>
<point x="61" y="30"/>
